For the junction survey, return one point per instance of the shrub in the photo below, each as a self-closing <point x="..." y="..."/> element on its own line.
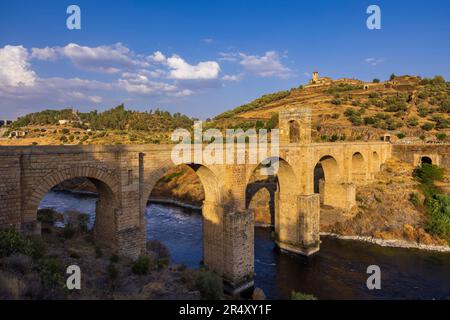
<point x="428" y="173"/>
<point x="83" y="220"/>
<point x="18" y="262"/>
<point x="401" y="135"/>
<point x="65" y="131"/>
<point x="113" y="272"/>
<point x="98" y="252"/>
<point x="114" y="258"/>
<point x="210" y="285"/>
<point x="335" y="116"/>
<point x="158" y="248"/>
<point x="302" y="296"/>
<point x="141" y="265"/>
<point x="438" y="208"/>
<point x="46" y="216"/>
<point x="428" y="126"/>
<point x="414" y="198"/>
<point x="413" y="122"/>
<point x="11" y="241"/>
<point x="38" y="247"/>
<point x="162" y="263"/>
<point x="336" y="102"/>
<point x="441" y="136"/>
<point x="51" y="272"/>
<point x="376" y="80"/>
<point x="68" y="231"/>
<point x="437" y="205"/>
<point x="272" y="123"/>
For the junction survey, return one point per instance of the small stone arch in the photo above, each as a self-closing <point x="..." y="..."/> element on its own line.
<point x="326" y="179"/>
<point x="287" y="190"/>
<point x="376" y="162"/>
<point x="260" y="199"/>
<point x="358" y="168"/>
<point x="294" y="131"/>
<point x="425" y="160"/>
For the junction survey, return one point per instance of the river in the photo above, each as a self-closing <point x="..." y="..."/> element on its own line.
<point x="338" y="271"/>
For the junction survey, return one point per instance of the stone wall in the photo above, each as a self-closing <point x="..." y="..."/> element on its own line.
<point x="439" y="153"/>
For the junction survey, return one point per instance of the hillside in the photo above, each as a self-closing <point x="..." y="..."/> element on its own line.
<point x="348" y="109"/>
<point x="344" y="109"/>
<point x="113" y="126"/>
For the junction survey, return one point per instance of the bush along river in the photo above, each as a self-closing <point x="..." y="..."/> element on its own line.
<point x="338" y="271"/>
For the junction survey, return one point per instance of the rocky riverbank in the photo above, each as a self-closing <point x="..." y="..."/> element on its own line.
<point x="35" y="268"/>
<point x="390" y="243"/>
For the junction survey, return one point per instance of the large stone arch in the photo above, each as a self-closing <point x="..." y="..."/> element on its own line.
<point x="108" y="203"/>
<point x="212" y="211"/>
<point x="209" y="179"/>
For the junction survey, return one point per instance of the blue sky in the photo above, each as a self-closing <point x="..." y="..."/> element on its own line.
<point x="204" y="57"/>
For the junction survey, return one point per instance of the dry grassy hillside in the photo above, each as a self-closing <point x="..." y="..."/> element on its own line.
<point x="351" y="109"/>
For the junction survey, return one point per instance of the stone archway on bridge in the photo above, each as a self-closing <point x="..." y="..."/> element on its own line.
<point x="296" y="220"/>
<point x="376" y="162"/>
<point x="105" y="226"/>
<point x="359" y="168"/>
<point x="260" y="196"/>
<point x="426" y="160"/>
<point x="294" y="131"/>
<point x="327" y="180"/>
<point x="212" y="211"/>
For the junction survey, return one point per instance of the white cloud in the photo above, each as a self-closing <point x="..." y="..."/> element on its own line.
<point x="109" y="59"/>
<point x="374" y="61"/>
<point x="268" y="65"/>
<point x="105" y="58"/>
<point x="158" y="57"/>
<point x="208" y="40"/>
<point x="14" y="67"/>
<point x="181" y="70"/>
<point x="76" y="95"/>
<point x="130" y="76"/>
<point x="46" y="53"/>
<point x="232" y="77"/>
<point x="140" y="84"/>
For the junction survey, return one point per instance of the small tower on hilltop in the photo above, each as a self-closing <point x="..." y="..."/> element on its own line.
<point x="295" y="126"/>
<point x="315" y="77"/>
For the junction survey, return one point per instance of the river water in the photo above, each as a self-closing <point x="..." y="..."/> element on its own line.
<point x="338" y="271"/>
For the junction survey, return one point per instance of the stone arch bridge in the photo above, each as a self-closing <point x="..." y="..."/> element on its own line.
<point x="126" y="174"/>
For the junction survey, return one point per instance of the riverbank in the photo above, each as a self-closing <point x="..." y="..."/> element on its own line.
<point x="174" y="202"/>
<point x="393" y="243"/>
